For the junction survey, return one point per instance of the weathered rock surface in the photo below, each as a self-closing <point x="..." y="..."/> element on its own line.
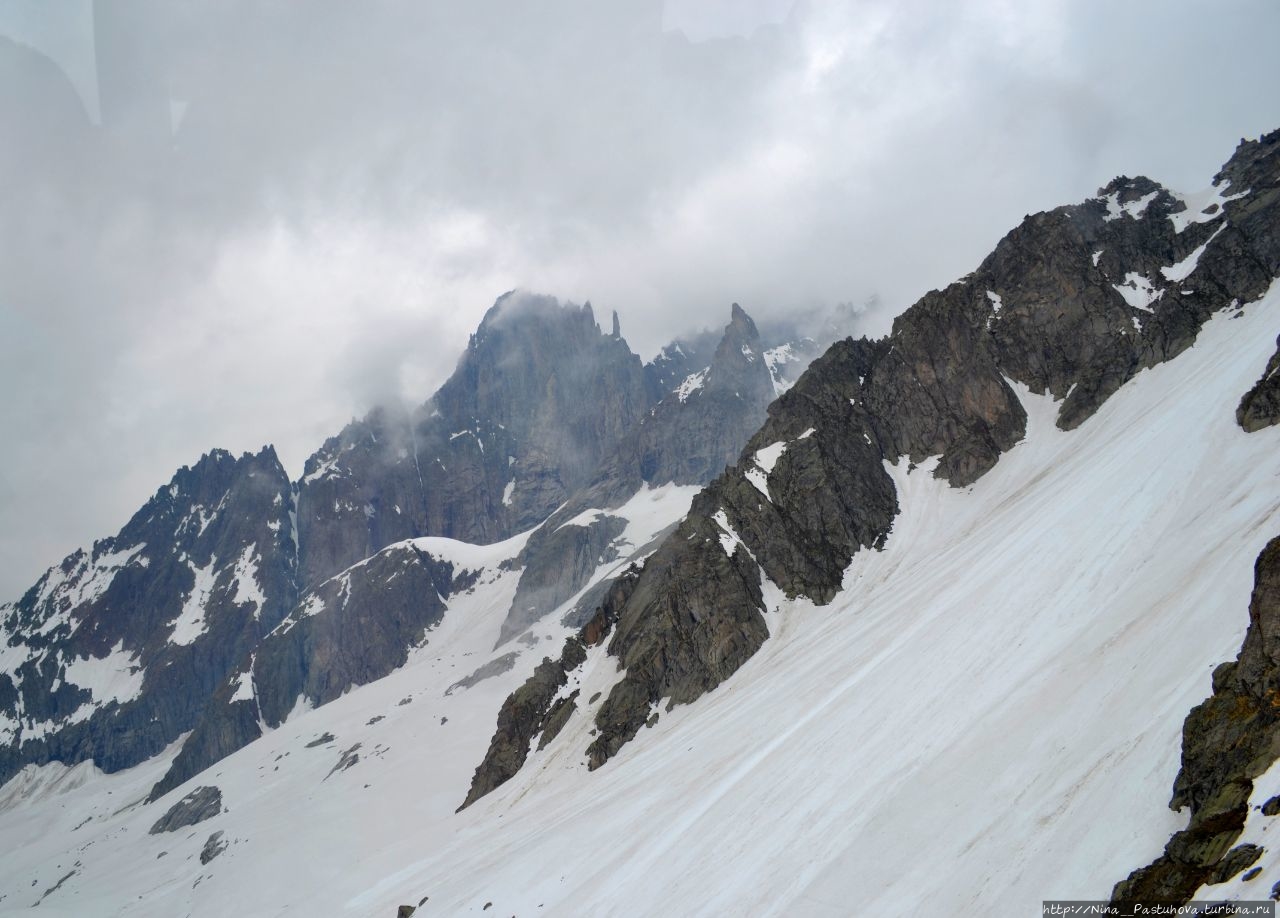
<point x="534" y="707"/>
<point x="677" y="361"/>
<point x="558" y="560"/>
<point x="213" y="846"/>
<point x="1227" y="741"/>
<point x="350" y="630"/>
<point x="1260" y="406"/>
<point x="698" y="428"/>
<point x="689" y="437"/>
<point x="539" y="397"/>
<point x="811" y="489"/>
<point x="156" y="620"/>
<point x="521" y="718"/>
<point x="179" y="622"/>
<point x="495" y="667"/>
<point x="201" y="804"/>
<point x="113" y="654"/>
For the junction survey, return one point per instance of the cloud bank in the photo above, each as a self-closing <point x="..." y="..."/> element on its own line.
<point x="232" y="223"/>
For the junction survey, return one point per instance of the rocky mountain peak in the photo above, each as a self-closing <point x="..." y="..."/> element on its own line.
<point x="738" y="365"/>
<point x="741" y="324"/>
<point x="164" y="608"/>
<point x="540" y="395"/>
<point x="1129" y="189"/>
<point x="1073" y="302"/>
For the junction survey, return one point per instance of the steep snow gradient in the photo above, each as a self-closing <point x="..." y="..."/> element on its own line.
<point x="987" y="716"/>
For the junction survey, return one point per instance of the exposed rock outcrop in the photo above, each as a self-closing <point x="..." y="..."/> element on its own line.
<point x="558" y="560"/>
<point x="113" y="654"/>
<point x="538" y="707"/>
<point x="213" y="846"/>
<point x="521" y="718"/>
<point x="689" y="437"/>
<point x="201" y="804"/>
<point x="677" y="361"/>
<point x="701" y="427"/>
<point x="348" y="631"/>
<point x="539" y="397"/>
<point x="1227" y="741"/>
<point x="811" y="489"/>
<point x="1260" y="406"/>
<point x="495" y="667"/>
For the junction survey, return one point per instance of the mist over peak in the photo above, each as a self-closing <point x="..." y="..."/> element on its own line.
<point x="258" y="221"/>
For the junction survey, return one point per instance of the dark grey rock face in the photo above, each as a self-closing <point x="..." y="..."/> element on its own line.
<point x="677" y="362"/>
<point x="348" y="631"/>
<point x="1252" y="168"/>
<point x="539" y="397"/>
<point x="689" y="437"/>
<point x="521" y="718"/>
<point x="118" y="649"/>
<point x="1260" y="406"/>
<point x="558" y="561"/>
<point x="1227" y="741"/>
<point x="201" y="804"/>
<point x="495" y="667"/>
<point x="692" y="619"/>
<point x="534" y="708"/>
<point x="213" y="846"/>
<point x="700" y="427"/>
<point x="702" y="421"/>
<point x="179" y="622"/>
<point x="1065" y="328"/>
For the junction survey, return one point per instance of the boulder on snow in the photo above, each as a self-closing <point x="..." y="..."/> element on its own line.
<point x="201" y="804"/>
<point x="213" y="846"/>
<point x="1227" y="741"/>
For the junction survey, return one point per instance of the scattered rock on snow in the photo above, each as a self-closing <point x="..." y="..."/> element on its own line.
<point x="213" y="846"/>
<point x="201" y="804"/>
<point x="348" y="758"/>
<point x="495" y="667"/>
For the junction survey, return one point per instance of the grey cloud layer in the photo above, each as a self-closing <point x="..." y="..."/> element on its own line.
<point x="350" y="186"/>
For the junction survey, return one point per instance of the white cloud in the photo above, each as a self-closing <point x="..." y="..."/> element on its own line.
<point x="336" y="214"/>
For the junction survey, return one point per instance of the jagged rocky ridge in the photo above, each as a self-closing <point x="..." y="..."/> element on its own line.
<point x="537" y="398"/>
<point x="690" y="436"/>
<point x="540" y="400"/>
<point x="361" y="624"/>
<point x="1227" y="742"/>
<point x="1260" y="406"/>
<point x="112" y="654"/>
<point x="354" y="628"/>
<point x="197" y="616"/>
<point x="796" y="505"/>
<point x="539" y="709"/>
<point x="1072" y="302"/>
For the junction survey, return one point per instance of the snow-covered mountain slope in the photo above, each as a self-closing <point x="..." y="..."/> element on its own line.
<point x="368" y="621"/>
<point x="989" y="712"/>
<point x="412" y="739"/>
<point x="986" y="716"/>
<point x="930" y="638"/>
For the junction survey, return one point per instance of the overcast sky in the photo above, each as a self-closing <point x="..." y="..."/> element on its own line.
<point x="229" y="223"/>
